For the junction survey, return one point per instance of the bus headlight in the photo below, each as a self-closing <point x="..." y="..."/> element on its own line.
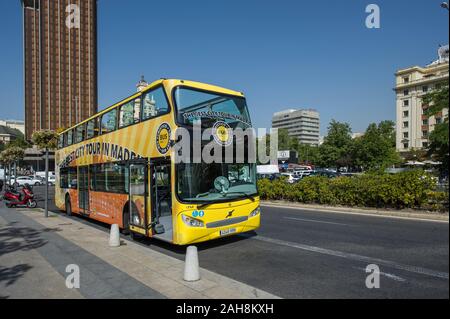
<point x="192" y="222"/>
<point x="255" y="212"/>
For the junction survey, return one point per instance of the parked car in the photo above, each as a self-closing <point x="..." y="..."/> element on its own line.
<point x="22" y="180"/>
<point x="51" y="180"/>
<point x="270" y="177"/>
<point x="291" y="178"/>
<point x="329" y="174"/>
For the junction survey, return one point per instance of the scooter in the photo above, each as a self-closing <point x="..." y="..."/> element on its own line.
<point x="14" y="198"/>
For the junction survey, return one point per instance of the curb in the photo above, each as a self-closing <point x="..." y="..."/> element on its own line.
<point x="444" y="217"/>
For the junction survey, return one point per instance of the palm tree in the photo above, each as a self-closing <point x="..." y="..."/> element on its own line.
<point x="46" y="140"/>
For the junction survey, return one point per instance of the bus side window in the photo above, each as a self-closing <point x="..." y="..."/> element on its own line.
<point x="92" y="128"/>
<point x="64" y="178"/>
<point x="92" y="170"/>
<point x="61" y="141"/>
<point x="80" y="132"/>
<point x="109" y="121"/>
<point x="154" y="104"/>
<point x="70" y="138"/>
<point x="73" y="178"/>
<point x="130" y="113"/>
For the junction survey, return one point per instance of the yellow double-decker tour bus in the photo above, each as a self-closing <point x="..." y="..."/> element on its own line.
<point x="118" y="166"/>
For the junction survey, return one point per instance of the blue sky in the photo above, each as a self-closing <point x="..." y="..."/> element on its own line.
<point x="281" y="54"/>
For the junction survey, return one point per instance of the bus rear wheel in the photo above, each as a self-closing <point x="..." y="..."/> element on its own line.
<point x="68" y="206"/>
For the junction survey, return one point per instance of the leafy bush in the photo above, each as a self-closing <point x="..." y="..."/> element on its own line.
<point x="412" y="189"/>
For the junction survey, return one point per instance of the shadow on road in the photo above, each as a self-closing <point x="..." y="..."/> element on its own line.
<point x="15" y="238"/>
<point x="12" y="274"/>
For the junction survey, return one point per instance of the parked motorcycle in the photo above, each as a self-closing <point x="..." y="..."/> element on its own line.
<point x="23" y="198"/>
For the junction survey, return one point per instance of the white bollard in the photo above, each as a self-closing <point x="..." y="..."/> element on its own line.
<point x="191" y="267"/>
<point x="114" y="236"/>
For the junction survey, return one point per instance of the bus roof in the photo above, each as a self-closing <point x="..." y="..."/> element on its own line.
<point x="171" y="83"/>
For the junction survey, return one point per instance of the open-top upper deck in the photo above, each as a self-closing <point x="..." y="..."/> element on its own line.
<point x="169" y="85"/>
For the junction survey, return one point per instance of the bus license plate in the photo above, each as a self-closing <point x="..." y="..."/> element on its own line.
<point x="226" y="232"/>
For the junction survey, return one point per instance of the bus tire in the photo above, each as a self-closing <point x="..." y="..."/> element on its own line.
<point x="126" y="220"/>
<point x="68" y="206"/>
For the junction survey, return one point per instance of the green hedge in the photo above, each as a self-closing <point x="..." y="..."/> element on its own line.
<point x="412" y="189"/>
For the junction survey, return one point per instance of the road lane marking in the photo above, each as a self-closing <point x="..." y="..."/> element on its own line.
<point x="388" y="275"/>
<point x="331" y="211"/>
<point x="316" y="221"/>
<point x="365" y="259"/>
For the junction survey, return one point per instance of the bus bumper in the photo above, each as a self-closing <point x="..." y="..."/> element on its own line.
<point x="190" y="235"/>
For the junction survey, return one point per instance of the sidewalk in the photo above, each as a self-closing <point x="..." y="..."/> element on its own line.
<point x="432" y="216"/>
<point x="35" y="251"/>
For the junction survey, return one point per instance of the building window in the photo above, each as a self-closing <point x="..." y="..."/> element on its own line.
<point x="406" y="103"/>
<point x="425" y="122"/>
<point x="425" y="144"/>
<point x="155" y="104"/>
<point x="405" y="145"/>
<point x="405" y="113"/>
<point x="406" y="124"/>
<point x="406" y="92"/>
<point x="405" y="135"/>
<point x="109" y="121"/>
<point x="130" y="113"/>
<point x="438" y="120"/>
<point x="406" y="79"/>
<point x="425" y="88"/>
<point x="425" y="134"/>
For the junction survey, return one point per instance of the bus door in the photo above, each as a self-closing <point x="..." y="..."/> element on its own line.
<point x="83" y="189"/>
<point x="138" y="179"/>
<point x="161" y="198"/>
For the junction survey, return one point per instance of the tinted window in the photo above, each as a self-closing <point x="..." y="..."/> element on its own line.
<point x="109" y="177"/>
<point x="79" y="133"/>
<point x="130" y="113"/>
<point x="92" y="128"/>
<point x="154" y="104"/>
<point x="109" y="121"/>
<point x="70" y="137"/>
<point x="61" y="141"/>
<point x="64" y="178"/>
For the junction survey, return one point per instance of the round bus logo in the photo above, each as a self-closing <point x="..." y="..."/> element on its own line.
<point x="163" y="138"/>
<point x="223" y="134"/>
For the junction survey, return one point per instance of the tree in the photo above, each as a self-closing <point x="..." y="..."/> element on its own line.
<point x="45" y="140"/>
<point x="308" y="154"/>
<point x="13" y="155"/>
<point x="19" y="142"/>
<point x="376" y="148"/>
<point x="437" y="101"/>
<point x="335" y="150"/>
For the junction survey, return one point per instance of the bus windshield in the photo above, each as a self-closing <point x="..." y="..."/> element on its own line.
<point x="210" y="107"/>
<point x="202" y="183"/>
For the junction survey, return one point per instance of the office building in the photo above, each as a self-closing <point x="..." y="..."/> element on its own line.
<point x="60" y="62"/>
<point x="301" y="124"/>
<point x="413" y="125"/>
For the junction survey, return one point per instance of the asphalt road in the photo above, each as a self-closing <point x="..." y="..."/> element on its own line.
<point x="309" y="254"/>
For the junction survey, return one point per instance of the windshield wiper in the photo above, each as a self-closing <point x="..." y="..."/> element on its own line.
<point x="243" y="193"/>
<point x="224" y="199"/>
